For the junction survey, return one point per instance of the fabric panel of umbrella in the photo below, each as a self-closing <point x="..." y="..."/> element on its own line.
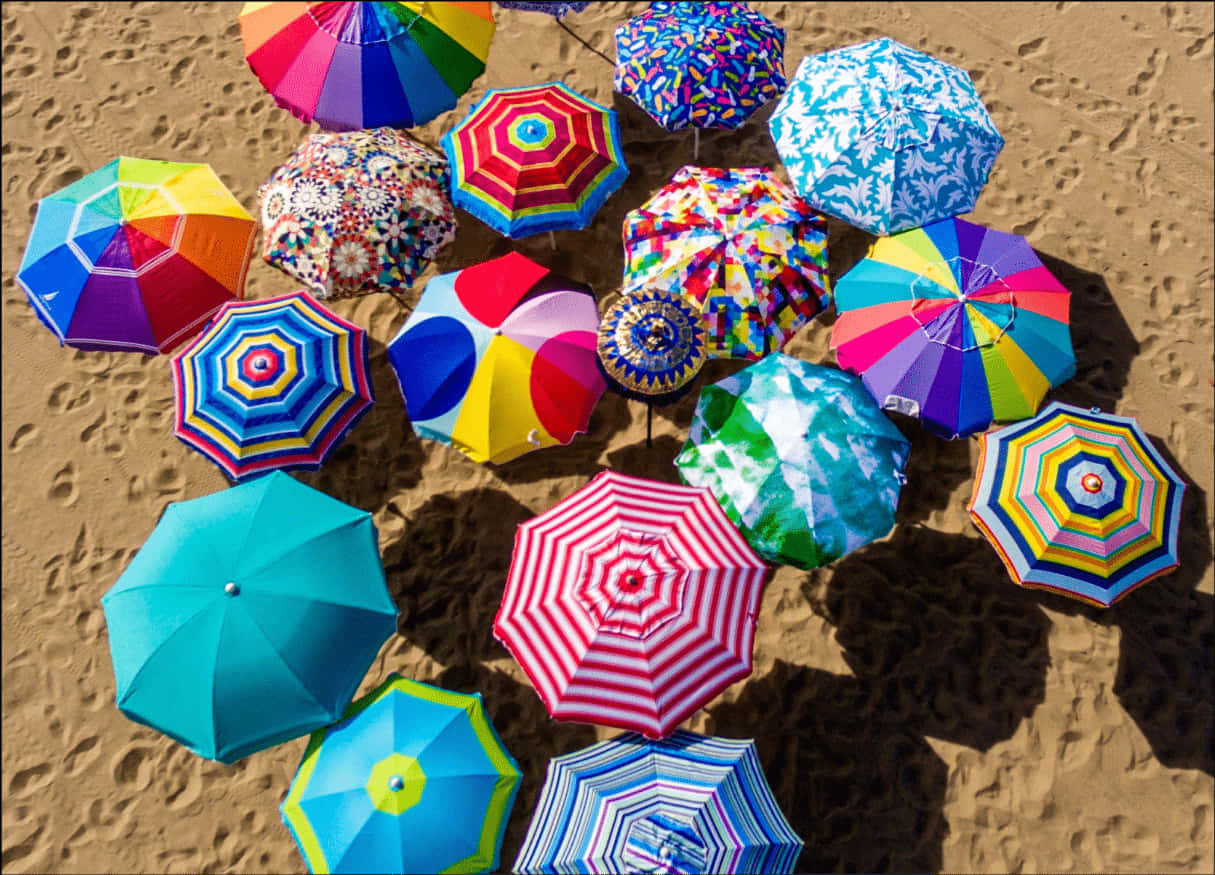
<point x="1078" y="502"/>
<point x="348" y="66"/>
<point x="956" y="324"/>
<point x="248" y="617"/>
<point x="136" y="256"/>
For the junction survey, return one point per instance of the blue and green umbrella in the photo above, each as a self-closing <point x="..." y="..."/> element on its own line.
<point x="412" y="779"/>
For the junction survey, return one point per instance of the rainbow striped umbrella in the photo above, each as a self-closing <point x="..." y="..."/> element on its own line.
<point x="534" y="159"/>
<point x="1079" y="502"/>
<point x="688" y="803"/>
<point x="271" y="384"/>
<point x="136" y="256"/>
<point x="631" y="603"/>
<point x="956" y="324"/>
<point x="365" y="65"/>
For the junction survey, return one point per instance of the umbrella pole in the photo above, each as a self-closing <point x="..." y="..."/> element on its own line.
<point x="649" y="424"/>
<point x="552" y="240"/>
<point x="695" y="144"/>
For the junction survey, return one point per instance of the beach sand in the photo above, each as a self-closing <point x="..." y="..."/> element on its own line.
<point x="914" y="710"/>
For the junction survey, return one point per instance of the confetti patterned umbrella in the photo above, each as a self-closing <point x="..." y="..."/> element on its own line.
<point x="689" y="803"/>
<point x="1078" y="502"/>
<point x="498" y="359"/>
<point x="248" y="617"/>
<point x="700" y="65"/>
<point x="956" y="324"/>
<point x="556" y="8"/>
<point x="885" y="137"/>
<point x="136" y="256"/>
<point x="271" y="384"/>
<point x="631" y="603"/>
<point x="412" y="779"/>
<point x="800" y="457"/>
<point x="740" y="245"/>
<point x="534" y="159"/>
<point x="356" y="212"/>
<point x="348" y="66"/>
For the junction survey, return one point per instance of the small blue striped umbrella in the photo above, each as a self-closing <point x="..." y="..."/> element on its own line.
<point x="685" y="803"/>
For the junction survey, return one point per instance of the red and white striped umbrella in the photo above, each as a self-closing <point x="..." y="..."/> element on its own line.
<point x="632" y="603"/>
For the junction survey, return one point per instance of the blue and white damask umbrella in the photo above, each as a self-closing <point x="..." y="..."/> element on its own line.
<point x="885" y="137"/>
<point x="686" y="803"/>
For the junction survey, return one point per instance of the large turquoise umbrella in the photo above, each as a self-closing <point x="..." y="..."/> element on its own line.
<point x="249" y="617"/>
<point x="801" y="458"/>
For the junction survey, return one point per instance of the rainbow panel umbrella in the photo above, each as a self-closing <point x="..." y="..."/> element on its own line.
<point x="249" y="617"/>
<point x="885" y="137"/>
<point x="271" y="384"/>
<point x="412" y="779"/>
<point x="800" y="457"/>
<point x="688" y="804"/>
<point x="632" y="603"/>
<point x="700" y="65"/>
<point x="347" y="66"/>
<point x="742" y="246"/>
<point x="956" y="324"/>
<point x="533" y="159"/>
<point x="356" y="212"/>
<point x="555" y="8"/>
<point x="136" y="256"/>
<point x="1079" y="502"/>
<point x="498" y="359"/>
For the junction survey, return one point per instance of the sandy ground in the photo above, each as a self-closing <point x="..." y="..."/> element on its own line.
<point x="914" y="710"/>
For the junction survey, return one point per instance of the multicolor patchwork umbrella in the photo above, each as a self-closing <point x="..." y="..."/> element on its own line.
<point x="700" y="65"/>
<point x="740" y="245"/>
<point x="956" y="324"/>
<point x="365" y="65"/>
<point x="688" y="803"/>
<point x="800" y="457"/>
<point x="412" y="779"/>
<point x="885" y="137"/>
<point x="556" y="8"/>
<point x="356" y="212"/>
<point x="533" y="159"/>
<point x="136" y="256"/>
<point x="249" y="617"/>
<point x="1079" y="502"/>
<point x="498" y="359"/>
<point x="631" y="603"/>
<point x="271" y="384"/>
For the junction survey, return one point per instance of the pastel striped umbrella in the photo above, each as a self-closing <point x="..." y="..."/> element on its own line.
<point x="533" y="159"/>
<point x="499" y="359"/>
<point x="956" y="324"/>
<point x="688" y="803"/>
<point x="413" y="778"/>
<point x="136" y="256"/>
<point x="269" y="384"/>
<point x="347" y="66"/>
<point x="1079" y="502"/>
<point x="631" y="603"/>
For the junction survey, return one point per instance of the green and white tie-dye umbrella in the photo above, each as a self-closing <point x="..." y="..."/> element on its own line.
<point x="801" y="458"/>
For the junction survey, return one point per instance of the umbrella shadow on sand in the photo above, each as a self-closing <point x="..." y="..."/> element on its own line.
<point x="939" y="645"/>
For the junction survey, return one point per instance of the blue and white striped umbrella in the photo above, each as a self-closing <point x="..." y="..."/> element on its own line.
<point x="685" y="803"/>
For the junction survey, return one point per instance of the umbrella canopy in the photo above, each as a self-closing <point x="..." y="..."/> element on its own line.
<point x="271" y="384"/>
<point x="800" y="457"/>
<point x="347" y="66"/>
<point x="412" y="779"/>
<point x="688" y="803"/>
<point x="1079" y="502"/>
<point x="248" y="617"/>
<point x="702" y="65"/>
<point x="631" y="603"/>
<point x="136" y="256"/>
<point x="556" y="8"/>
<point x="651" y="346"/>
<point x="885" y="137"/>
<point x="956" y="324"/>
<point x="740" y="245"/>
<point x="498" y="359"/>
<point x="533" y="159"/>
<point x="356" y="212"/>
